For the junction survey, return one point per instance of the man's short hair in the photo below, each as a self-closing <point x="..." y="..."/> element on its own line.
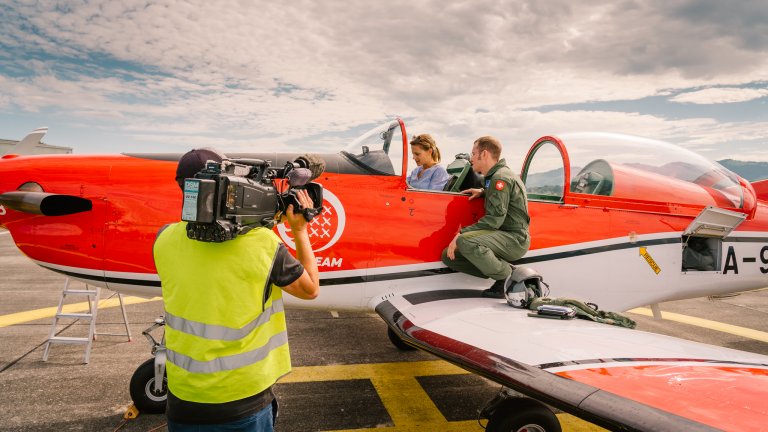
<point x="193" y="161"/>
<point x="491" y="144"/>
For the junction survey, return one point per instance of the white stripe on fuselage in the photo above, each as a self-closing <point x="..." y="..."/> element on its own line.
<point x="68" y="269"/>
<point x="581" y="276"/>
<point x="602" y="243"/>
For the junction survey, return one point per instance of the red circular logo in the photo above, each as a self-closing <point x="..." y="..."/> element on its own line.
<point x="325" y="229"/>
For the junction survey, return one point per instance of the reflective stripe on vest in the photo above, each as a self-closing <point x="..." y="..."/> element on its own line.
<point x="227" y="363"/>
<point x="212" y="331"/>
<point x="224" y="340"/>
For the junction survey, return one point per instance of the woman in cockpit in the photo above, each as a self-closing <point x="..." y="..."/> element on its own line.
<point x="428" y="174"/>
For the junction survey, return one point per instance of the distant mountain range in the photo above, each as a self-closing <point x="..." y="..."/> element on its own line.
<point x="750" y="171"/>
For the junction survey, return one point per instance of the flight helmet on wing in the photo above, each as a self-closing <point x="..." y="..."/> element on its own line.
<point x="522" y="286"/>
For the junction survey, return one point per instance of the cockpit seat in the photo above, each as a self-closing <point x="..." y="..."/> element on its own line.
<point x="595" y="179"/>
<point x="461" y="175"/>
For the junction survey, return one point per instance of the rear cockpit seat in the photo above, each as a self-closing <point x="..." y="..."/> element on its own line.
<point x="462" y="176"/>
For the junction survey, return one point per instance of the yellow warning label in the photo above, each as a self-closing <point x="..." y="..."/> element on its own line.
<point x="644" y="253"/>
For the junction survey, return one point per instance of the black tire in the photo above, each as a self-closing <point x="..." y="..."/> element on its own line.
<point x="397" y="342"/>
<point x="142" y="389"/>
<point x="514" y="416"/>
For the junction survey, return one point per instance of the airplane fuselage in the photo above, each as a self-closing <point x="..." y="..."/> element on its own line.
<point x="376" y="235"/>
<point x="615" y="220"/>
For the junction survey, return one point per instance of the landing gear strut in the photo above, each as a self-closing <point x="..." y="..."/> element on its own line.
<point x="149" y="383"/>
<point x="146" y="398"/>
<point x="508" y="412"/>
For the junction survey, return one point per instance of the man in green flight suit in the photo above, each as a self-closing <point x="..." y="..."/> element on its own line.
<point x="486" y="248"/>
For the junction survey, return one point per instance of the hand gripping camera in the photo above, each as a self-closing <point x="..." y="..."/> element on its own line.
<point x="231" y="197"/>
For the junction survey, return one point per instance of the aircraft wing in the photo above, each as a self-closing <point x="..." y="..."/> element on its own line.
<point x="618" y="378"/>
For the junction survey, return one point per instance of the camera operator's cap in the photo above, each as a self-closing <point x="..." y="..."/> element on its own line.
<point x="194" y="161"/>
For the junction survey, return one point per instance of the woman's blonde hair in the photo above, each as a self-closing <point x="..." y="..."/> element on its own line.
<point x="426" y="142"/>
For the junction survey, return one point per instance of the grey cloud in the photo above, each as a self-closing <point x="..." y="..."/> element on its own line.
<point x="745" y="22"/>
<point x="695" y="38"/>
<point x="463" y="65"/>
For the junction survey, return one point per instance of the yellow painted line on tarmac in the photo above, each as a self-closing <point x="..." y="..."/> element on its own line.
<point x="408" y="405"/>
<point x="709" y="324"/>
<point x="49" y="312"/>
<point x="405" y="400"/>
<point x="368" y="370"/>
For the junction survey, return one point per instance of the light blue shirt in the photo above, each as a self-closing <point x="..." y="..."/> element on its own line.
<point x="433" y="178"/>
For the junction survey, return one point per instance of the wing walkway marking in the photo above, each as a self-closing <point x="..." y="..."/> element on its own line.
<point x="708" y="324"/>
<point x="408" y="405"/>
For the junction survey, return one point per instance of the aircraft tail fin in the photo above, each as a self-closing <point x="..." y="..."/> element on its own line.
<point x="28" y="143"/>
<point x="761" y="189"/>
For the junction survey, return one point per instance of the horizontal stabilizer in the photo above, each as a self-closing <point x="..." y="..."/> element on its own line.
<point x="26" y="146"/>
<point x="761" y="189"/>
<point x="45" y="204"/>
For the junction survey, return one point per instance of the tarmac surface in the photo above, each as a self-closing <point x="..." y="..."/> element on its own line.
<point x="347" y="375"/>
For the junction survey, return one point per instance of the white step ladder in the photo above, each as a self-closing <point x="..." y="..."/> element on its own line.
<point x="93" y="296"/>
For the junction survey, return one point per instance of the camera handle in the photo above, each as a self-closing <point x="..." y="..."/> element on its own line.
<point x="310" y="213"/>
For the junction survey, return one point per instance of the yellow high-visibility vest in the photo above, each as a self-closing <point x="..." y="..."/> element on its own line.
<point x="225" y="331"/>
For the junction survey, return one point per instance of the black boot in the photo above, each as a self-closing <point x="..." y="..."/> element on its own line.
<point x="495" y="291"/>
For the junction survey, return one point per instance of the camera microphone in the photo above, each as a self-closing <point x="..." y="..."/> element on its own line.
<point x="299" y="177"/>
<point x="314" y="163"/>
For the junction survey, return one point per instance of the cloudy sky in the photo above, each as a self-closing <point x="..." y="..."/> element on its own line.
<point x="135" y="75"/>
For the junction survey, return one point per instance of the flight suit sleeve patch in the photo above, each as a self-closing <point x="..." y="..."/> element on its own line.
<point x="499" y="185"/>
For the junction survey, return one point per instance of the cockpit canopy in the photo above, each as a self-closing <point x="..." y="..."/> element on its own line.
<point x="618" y="169"/>
<point x="627" y="167"/>
<point x="380" y="150"/>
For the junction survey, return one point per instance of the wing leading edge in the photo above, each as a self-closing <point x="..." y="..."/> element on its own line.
<point x="617" y="378"/>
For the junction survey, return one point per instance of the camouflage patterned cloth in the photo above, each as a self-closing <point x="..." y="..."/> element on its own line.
<point x="585" y="311"/>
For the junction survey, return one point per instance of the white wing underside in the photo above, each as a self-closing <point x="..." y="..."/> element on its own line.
<point x="613" y="376"/>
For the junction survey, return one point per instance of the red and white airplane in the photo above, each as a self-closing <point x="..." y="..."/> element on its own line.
<point x="615" y="220"/>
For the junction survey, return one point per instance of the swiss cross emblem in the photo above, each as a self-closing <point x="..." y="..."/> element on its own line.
<point x="499" y="185"/>
<point x="325" y="229"/>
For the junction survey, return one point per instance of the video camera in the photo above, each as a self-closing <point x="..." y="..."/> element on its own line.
<point x="231" y="197"/>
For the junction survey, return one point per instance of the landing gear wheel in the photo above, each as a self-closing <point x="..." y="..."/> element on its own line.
<point x="525" y="417"/>
<point x="397" y="342"/>
<point x="142" y="389"/>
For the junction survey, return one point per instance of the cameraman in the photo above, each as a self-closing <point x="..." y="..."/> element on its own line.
<point x="225" y="323"/>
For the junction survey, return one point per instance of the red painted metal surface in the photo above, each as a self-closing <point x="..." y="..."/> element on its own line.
<point x="384" y="223"/>
<point x="761" y="189"/>
<point x="694" y="392"/>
